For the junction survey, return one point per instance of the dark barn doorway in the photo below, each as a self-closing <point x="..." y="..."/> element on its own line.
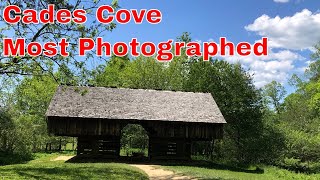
<point x="134" y="141"/>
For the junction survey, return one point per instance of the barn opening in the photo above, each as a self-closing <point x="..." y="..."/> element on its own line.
<point x="134" y="141"/>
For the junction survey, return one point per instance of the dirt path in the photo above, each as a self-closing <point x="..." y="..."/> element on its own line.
<point x="156" y="173"/>
<point x="62" y="158"/>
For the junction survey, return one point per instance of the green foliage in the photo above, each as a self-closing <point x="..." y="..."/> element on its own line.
<point x="33" y="96"/>
<point x="7" y="132"/>
<point x="14" y="158"/>
<point x="111" y="75"/>
<point x="14" y="139"/>
<point x="297" y="119"/>
<point x="134" y="137"/>
<point x="274" y="93"/>
<point x="239" y="102"/>
<point x="144" y="73"/>
<point x="313" y="91"/>
<point x="24" y="127"/>
<point x="300" y="122"/>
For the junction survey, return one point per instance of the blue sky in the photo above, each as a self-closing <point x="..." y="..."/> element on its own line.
<point x="290" y="25"/>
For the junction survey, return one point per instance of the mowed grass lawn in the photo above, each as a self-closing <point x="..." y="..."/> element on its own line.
<point x="222" y="173"/>
<point x="44" y="168"/>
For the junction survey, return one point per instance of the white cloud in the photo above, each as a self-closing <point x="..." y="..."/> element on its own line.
<point x="295" y="32"/>
<point x="285" y="55"/>
<point x="287" y="35"/>
<point x="281" y="1"/>
<point x="277" y="66"/>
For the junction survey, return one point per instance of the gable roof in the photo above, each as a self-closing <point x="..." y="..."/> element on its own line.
<point x="134" y="104"/>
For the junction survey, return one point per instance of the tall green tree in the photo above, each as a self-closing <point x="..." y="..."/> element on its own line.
<point x="239" y="102"/>
<point x="32" y="98"/>
<point x="299" y="119"/>
<point x="274" y="93"/>
<point x="111" y="74"/>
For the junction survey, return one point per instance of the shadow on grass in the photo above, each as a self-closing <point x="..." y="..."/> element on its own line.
<point x="211" y="165"/>
<point x="102" y="159"/>
<point x="188" y="163"/>
<point x="10" y="159"/>
<point x="67" y="172"/>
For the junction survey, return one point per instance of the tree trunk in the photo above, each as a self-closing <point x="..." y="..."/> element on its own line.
<point x="72" y="143"/>
<point x="211" y="149"/>
<point x="60" y="144"/>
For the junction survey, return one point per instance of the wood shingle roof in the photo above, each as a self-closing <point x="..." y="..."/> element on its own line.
<point x="134" y="104"/>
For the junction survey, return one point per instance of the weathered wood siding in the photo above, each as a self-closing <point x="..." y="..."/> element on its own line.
<point x="169" y="148"/>
<point x="106" y="146"/>
<point x="161" y="129"/>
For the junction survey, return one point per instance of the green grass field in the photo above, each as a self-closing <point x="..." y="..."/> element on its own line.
<point x="125" y="152"/>
<point x="218" y="172"/>
<point x="44" y="168"/>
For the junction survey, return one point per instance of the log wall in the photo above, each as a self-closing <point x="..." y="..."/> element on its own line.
<point x="162" y="129"/>
<point x="99" y="146"/>
<point x="169" y="148"/>
<point x="167" y="139"/>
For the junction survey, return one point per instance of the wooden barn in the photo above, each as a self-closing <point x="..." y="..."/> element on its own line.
<point x="96" y="115"/>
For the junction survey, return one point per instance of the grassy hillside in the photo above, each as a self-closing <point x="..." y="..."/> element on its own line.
<point x="44" y="168"/>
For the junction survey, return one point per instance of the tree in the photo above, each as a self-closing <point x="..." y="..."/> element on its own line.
<point x="134" y="136"/>
<point x="274" y="93"/>
<point x="314" y="68"/>
<point x="32" y="98"/>
<point x="7" y="131"/>
<point x="51" y="33"/>
<point x="239" y="101"/>
<point x="145" y="73"/>
<point x="299" y="119"/>
<point x="111" y="75"/>
<point x="185" y="37"/>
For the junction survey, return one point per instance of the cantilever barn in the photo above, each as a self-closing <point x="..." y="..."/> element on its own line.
<point x="96" y="115"/>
